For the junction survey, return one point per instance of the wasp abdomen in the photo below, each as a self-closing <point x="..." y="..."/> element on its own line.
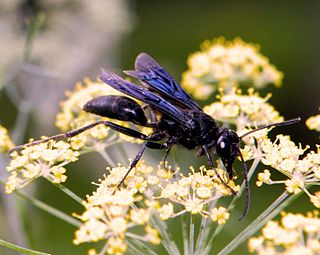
<point x="117" y="107"/>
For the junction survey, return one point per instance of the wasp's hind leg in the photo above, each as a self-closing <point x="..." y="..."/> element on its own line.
<point x="127" y="131"/>
<point x="58" y="137"/>
<point x="115" y="107"/>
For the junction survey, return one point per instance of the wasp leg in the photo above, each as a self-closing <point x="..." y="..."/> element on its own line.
<point x="169" y="145"/>
<point x="133" y="164"/>
<point x="161" y="146"/>
<point x="206" y="150"/>
<point x="135" y="161"/>
<point x="59" y="136"/>
<point x="124" y="130"/>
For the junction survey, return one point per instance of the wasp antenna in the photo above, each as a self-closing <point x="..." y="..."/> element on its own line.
<point x="247" y="187"/>
<point x="283" y="123"/>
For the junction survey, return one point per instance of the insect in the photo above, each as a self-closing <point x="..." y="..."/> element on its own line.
<point x="182" y="121"/>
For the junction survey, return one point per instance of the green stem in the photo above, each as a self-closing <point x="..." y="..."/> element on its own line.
<point x="20" y="249"/>
<point x="184" y="235"/>
<point x="67" y="191"/>
<point x="167" y="240"/>
<point x="204" y="231"/>
<point x="49" y="209"/>
<point x="33" y="29"/>
<point x="123" y="153"/>
<point x="273" y="210"/>
<point x="45" y="207"/>
<point x="191" y="236"/>
<point x="106" y="157"/>
<point x="142" y="247"/>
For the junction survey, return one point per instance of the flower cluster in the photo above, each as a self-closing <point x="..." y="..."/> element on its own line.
<point x="294" y="234"/>
<point x="5" y="142"/>
<point x="194" y="193"/>
<point x="285" y="156"/>
<point x="226" y="64"/>
<point x="147" y="194"/>
<point x="282" y="154"/>
<point x="243" y="110"/>
<point x="313" y="123"/>
<point x="45" y="159"/>
<point x="111" y="215"/>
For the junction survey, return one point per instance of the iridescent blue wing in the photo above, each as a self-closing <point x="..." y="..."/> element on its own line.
<point x="157" y="79"/>
<point x="146" y="96"/>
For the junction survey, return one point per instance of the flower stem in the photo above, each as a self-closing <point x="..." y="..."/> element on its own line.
<point x="49" y="209"/>
<point x="106" y="157"/>
<point x="133" y="249"/>
<point x="20" y="249"/>
<point x="184" y="235"/>
<point x="123" y="153"/>
<point x="167" y="241"/>
<point x="191" y="236"/>
<point x="204" y="231"/>
<point x="274" y="209"/>
<point x="33" y="27"/>
<point x="142" y="247"/>
<point x="67" y="191"/>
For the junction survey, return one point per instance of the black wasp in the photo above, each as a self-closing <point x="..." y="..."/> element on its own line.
<point x="182" y="120"/>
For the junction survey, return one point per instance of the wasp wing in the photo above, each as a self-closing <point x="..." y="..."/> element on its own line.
<point x="144" y="95"/>
<point x="159" y="80"/>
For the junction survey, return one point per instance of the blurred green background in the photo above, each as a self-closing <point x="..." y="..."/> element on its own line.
<point x="288" y="32"/>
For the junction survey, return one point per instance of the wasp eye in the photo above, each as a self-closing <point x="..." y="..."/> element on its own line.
<point x="223" y="147"/>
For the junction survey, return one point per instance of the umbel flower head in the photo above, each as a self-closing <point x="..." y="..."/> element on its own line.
<point x="295" y="234"/>
<point x="243" y="110"/>
<point x="285" y="156"/>
<point x="46" y="159"/>
<point x="313" y="123"/>
<point x="5" y="142"/>
<point x="227" y="64"/>
<point x="147" y="195"/>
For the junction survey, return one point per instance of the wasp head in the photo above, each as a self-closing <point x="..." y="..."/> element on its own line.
<point x="227" y="147"/>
